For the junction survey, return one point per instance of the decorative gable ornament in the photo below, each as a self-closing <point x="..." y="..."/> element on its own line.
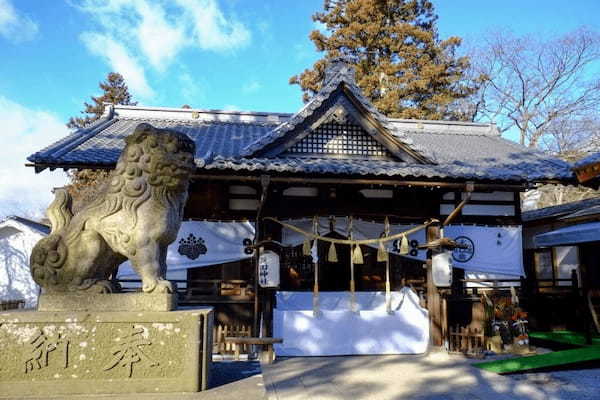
<point x="340" y="115"/>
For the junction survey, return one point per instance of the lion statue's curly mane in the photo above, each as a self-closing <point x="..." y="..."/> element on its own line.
<point x="136" y="216"/>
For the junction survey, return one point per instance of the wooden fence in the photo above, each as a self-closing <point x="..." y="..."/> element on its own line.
<point x="466" y="340"/>
<point x="12" y="305"/>
<point x="220" y="332"/>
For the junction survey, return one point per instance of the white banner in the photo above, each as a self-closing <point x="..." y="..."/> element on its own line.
<point x="362" y="230"/>
<point x="490" y="249"/>
<point x="203" y="243"/>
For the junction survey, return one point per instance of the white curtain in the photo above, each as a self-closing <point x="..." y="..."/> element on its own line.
<point x="204" y="243"/>
<point x="492" y="249"/>
<point x="362" y="230"/>
<point x="337" y="330"/>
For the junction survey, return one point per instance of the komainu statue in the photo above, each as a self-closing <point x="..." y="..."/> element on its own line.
<point x="136" y="216"/>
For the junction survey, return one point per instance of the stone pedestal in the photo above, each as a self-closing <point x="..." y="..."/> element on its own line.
<point x="92" y="352"/>
<point x="107" y="301"/>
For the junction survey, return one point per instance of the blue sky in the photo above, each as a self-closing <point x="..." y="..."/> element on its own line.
<point x="216" y="54"/>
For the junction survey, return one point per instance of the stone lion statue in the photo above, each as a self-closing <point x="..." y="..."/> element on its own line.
<point x="136" y="216"/>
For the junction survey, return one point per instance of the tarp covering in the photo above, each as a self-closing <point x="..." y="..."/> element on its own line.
<point x="203" y="243"/>
<point x="338" y="331"/>
<point x="491" y="249"/>
<point x="361" y="230"/>
<point x="580" y="233"/>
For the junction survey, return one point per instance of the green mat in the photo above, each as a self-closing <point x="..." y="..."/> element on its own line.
<point x="566" y="337"/>
<point x="557" y="358"/>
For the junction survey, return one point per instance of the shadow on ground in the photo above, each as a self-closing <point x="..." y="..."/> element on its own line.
<point x="226" y="372"/>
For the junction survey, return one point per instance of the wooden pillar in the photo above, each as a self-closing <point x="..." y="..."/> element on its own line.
<point x="267" y="312"/>
<point x="584" y="265"/>
<point x="434" y="305"/>
<point x="258" y="236"/>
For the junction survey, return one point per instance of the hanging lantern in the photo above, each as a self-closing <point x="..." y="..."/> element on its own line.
<point x="441" y="268"/>
<point x="268" y="269"/>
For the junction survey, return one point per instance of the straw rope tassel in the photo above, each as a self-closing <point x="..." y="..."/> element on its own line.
<point x="404" y="246"/>
<point x="314" y="250"/>
<point x="306" y="247"/>
<point x="388" y="288"/>
<point x="332" y="254"/>
<point x="352" y="283"/>
<point x="382" y="255"/>
<point x="357" y="256"/>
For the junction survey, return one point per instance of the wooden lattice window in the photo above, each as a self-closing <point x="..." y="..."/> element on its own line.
<point x="339" y="139"/>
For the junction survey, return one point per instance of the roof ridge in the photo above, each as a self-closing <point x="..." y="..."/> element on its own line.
<point x="196" y="121"/>
<point x="198" y="110"/>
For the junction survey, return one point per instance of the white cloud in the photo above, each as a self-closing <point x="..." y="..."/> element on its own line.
<point x="120" y="61"/>
<point x="211" y="29"/>
<point x="251" y="87"/>
<point x="158" y="31"/>
<point x="25" y="131"/>
<point x="159" y="40"/>
<point x="15" y="26"/>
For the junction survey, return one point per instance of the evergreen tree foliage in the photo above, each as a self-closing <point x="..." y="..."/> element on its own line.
<point x="87" y="183"/>
<point x="401" y="64"/>
<point x="114" y="90"/>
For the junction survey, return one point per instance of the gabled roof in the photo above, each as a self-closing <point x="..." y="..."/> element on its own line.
<point x="256" y="142"/>
<point x="338" y="93"/>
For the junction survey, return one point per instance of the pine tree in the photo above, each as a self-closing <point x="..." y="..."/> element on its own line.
<point x="87" y="183"/>
<point x="401" y="64"/>
<point x="114" y="90"/>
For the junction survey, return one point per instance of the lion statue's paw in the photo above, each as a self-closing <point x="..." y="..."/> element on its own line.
<point x="158" y="286"/>
<point x="99" y="287"/>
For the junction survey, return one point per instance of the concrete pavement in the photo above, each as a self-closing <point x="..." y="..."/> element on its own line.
<point x="433" y="376"/>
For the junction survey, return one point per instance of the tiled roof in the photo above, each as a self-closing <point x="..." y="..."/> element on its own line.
<point x="228" y="140"/>
<point x="463" y="152"/>
<point x="41" y="228"/>
<point x="591" y="159"/>
<point x="564" y="211"/>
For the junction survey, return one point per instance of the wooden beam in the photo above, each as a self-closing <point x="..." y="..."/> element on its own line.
<point x="457" y="210"/>
<point x="365" y="181"/>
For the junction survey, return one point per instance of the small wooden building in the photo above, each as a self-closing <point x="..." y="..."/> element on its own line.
<point x="588" y="170"/>
<point x="335" y="161"/>
<point x="562" y="259"/>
